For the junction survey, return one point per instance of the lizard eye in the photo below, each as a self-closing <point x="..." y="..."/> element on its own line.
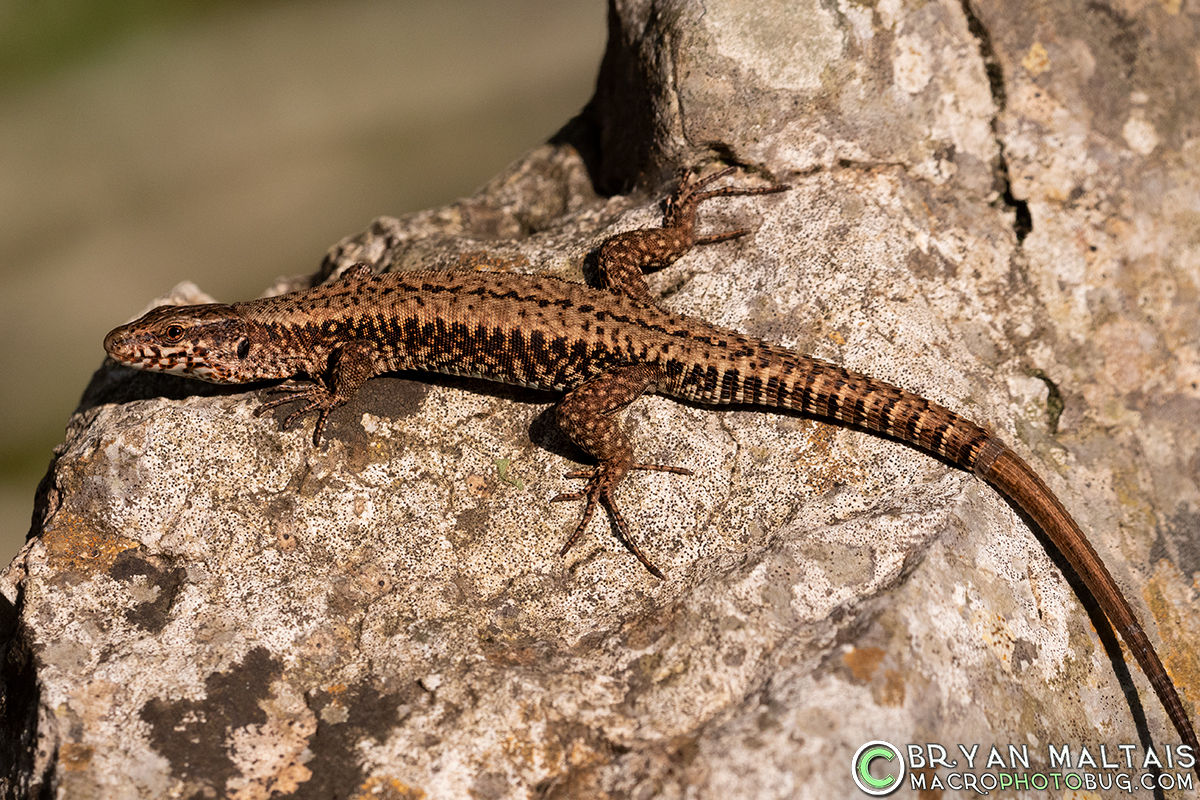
<point x="173" y="333"/>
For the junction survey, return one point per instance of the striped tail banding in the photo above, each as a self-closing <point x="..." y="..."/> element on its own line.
<point x="773" y="377"/>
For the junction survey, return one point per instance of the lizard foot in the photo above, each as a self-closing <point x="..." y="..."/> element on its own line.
<point x="599" y="491"/>
<point x="316" y="398"/>
<point x="681" y="207"/>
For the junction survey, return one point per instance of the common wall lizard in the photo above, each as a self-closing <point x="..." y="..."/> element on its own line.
<point x="604" y="347"/>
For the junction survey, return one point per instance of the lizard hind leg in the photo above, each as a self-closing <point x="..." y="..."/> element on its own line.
<point x="589" y="416"/>
<point x="624" y="257"/>
<point x="682" y="205"/>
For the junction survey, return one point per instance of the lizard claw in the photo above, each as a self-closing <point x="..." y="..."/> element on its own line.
<point x="598" y="491"/>
<point x="682" y="205"/>
<point x="316" y="398"/>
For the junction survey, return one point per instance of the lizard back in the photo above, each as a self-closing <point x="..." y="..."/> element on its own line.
<point x="546" y="333"/>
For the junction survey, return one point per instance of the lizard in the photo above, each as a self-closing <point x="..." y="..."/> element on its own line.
<point x="602" y="347"/>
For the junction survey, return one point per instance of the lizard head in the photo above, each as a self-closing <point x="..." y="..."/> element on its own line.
<point x="209" y="342"/>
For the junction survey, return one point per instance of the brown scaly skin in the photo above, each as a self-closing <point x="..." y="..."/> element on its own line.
<point x="604" y="348"/>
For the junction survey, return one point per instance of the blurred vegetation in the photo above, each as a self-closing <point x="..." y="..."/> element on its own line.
<point x="39" y="36"/>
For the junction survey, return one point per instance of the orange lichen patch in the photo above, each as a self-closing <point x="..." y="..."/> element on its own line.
<point x="823" y="470"/>
<point x="1167" y="593"/>
<point x="387" y="789"/>
<point x="491" y="262"/>
<point x="477" y="485"/>
<point x="1037" y="60"/>
<point x="863" y="661"/>
<point x="520" y="748"/>
<point x="893" y="688"/>
<point x="579" y="752"/>
<point x="928" y="794"/>
<point x="75" y="757"/>
<point x="577" y="783"/>
<point x="71" y="546"/>
<point x="996" y="632"/>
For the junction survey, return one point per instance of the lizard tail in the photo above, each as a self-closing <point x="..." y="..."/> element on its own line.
<point x="1013" y="478"/>
<point x="821" y="389"/>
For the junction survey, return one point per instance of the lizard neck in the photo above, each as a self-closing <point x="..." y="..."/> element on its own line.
<point x="282" y="345"/>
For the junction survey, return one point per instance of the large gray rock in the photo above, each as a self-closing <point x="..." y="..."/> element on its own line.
<point x="995" y="206"/>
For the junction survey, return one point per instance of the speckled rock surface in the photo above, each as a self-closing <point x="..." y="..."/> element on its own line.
<point x="996" y="208"/>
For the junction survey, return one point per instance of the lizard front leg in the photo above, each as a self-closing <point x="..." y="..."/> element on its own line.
<point x="349" y="367"/>
<point x="589" y="416"/>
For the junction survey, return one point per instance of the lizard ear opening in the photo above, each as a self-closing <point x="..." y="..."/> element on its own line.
<point x="243" y="349"/>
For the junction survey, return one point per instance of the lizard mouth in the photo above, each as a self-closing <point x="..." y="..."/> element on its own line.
<point x="139" y="355"/>
<point x="172" y="364"/>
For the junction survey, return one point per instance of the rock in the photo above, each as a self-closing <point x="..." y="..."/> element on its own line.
<point x="993" y="206"/>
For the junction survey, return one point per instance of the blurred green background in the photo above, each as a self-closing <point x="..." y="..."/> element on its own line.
<point x="146" y="142"/>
